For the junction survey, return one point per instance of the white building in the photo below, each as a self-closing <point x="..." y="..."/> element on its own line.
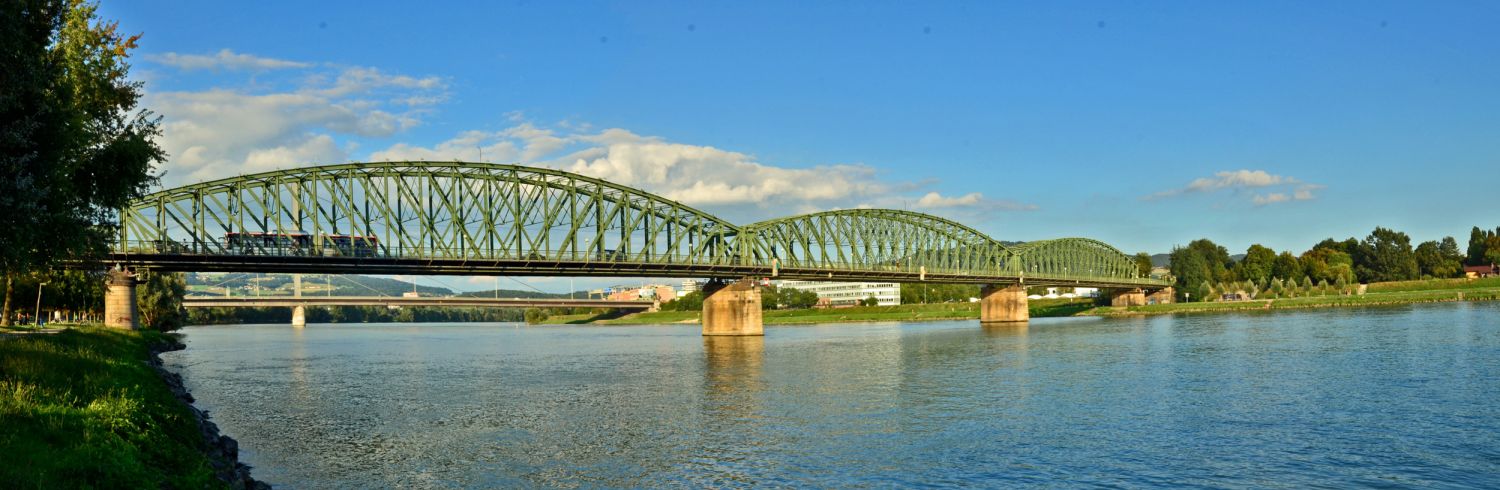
<point x="849" y="293"/>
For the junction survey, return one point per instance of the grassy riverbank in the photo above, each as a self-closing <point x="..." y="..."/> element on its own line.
<point x="1389" y="293"/>
<point x="81" y="408"/>
<point x="905" y="313"/>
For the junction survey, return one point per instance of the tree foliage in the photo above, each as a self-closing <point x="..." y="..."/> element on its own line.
<point x="1191" y="271"/>
<point x="159" y="300"/>
<point x="925" y="292"/>
<point x="74" y="148"/>
<point x="1480" y="246"/>
<point x="1385" y="255"/>
<point x="1258" y="264"/>
<point x="1143" y="264"/>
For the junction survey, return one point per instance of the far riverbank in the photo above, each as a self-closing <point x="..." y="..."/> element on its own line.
<point x="1378" y="294"/>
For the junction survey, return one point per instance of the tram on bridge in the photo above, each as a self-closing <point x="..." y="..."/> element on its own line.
<point x="299" y="244"/>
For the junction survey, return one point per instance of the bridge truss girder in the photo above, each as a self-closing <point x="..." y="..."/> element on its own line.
<point x="480" y="218"/>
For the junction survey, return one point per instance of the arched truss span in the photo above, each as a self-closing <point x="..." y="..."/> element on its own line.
<point x="879" y="240"/>
<point x="480" y="218"/>
<point x="427" y="210"/>
<point x="1074" y="258"/>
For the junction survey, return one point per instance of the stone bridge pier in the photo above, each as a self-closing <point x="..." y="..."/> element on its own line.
<point x="119" y="300"/>
<point x="1003" y="304"/>
<point x="1140" y="297"/>
<point x="732" y="308"/>
<point x="1128" y="297"/>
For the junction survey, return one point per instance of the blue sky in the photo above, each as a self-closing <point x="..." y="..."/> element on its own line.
<point x="1143" y="124"/>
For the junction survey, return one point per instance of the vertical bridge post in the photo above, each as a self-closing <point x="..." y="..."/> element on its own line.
<point x="119" y="300"/>
<point x="732" y="308"/>
<point x="1003" y="304"/>
<point x="299" y="312"/>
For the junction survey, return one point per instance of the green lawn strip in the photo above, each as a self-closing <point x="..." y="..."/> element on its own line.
<point x="1370" y="299"/>
<point x="1434" y="285"/>
<point x="82" y="409"/>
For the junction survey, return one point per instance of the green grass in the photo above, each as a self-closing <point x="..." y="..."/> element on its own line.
<point x="1434" y="284"/>
<point x="1395" y="295"/>
<point x="916" y="312"/>
<point x="82" y="409"/>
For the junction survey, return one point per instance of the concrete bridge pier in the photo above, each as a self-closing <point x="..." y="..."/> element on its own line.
<point x="1003" y="304"/>
<point x="1128" y="297"/>
<point x="119" y="300"/>
<point x="1162" y="296"/>
<point x="732" y="308"/>
<point x="299" y="316"/>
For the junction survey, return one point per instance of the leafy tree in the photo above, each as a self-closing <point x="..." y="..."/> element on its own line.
<point x="770" y="298"/>
<point x="799" y="299"/>
<point x="1433" y="261"/>
<point x="1191" y="271"/>
<point x="1287" y="267"/>
<point x="1492" y="251"/>
<point x="536" y="315"/>
<point x="73" y="147"/>
<point x="1258" y="263"/>
<point x="1385" y="255"/>
<point x="1216" y="257"/>
<point x="688" y="302"/>
<point x="1322" y="287"/>
<point x="159" y="300"/>
<point x="1143" y="264"/>
<point x="1479" y="245"/>
<point x="1341" y="285"/>
<point x="922" y="292"/>
<point x="870" y="301"/>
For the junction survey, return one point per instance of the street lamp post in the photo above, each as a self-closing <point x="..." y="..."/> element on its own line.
<point x="37" y="320"/>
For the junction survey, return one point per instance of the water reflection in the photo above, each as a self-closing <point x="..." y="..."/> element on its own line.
<point x="732" y="371"/>
<point x="1303" y="398"/>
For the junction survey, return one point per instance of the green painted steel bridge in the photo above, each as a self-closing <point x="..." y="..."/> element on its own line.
<point x="490" y="219"/>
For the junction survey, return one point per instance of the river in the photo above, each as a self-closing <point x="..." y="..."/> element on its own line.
<point x="1391" y="396"/>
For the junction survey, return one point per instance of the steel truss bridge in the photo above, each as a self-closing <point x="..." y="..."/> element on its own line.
<point x="492" y="219"/>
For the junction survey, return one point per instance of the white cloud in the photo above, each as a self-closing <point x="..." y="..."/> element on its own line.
<point x="935" y="200"/>
<point x="317" y="113"/>
<point x="1302" y="193"/>
<point x="1238" y="181"/>
<point x="224" y="59"/>
<point x="226" y="130"/>
<point x="696" y="175"/>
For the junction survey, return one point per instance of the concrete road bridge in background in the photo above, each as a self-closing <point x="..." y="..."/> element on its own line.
<point x="299" y="304"/>
<point x="458" y="218"/>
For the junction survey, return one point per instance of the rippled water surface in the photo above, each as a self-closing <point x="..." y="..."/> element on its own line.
<point x="1398" y="397"/>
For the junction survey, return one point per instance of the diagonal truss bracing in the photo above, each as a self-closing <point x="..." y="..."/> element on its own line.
<point x="465" y="218"/>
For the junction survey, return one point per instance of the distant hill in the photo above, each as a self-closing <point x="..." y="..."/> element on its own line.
<point x="274" y="284"/>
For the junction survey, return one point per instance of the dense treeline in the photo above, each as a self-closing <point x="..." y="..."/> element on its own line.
<point x="771" y="298"/>
<point x="919" y="293"/>
<point x="1203" y="269"/>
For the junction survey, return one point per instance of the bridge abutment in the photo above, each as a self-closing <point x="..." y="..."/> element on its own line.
<point x="119" y="300"/>
<point x="1161" y="296"/>
<point x="1003" y="304"/>
<point x="732" y="308"/>
<point x="1128" y="297"/>
<point x="299" y="316"/>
